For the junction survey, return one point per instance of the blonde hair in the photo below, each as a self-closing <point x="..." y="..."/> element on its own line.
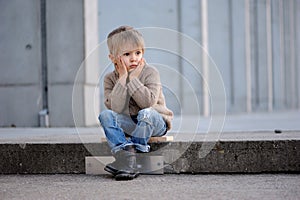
<point x="123" y="36"/>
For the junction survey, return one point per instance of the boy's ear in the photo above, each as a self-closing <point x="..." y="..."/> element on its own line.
<point x="111" y="57"/>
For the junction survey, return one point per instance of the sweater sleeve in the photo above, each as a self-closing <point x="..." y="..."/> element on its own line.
<point x="145" y="94"/>
<point x="115" y="95"/>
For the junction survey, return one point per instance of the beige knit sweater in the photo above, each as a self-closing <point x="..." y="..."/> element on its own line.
<point x="139" y="93"/>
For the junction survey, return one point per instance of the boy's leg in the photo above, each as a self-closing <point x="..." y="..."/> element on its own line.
<point x="114" y="125"/>
<point x="150" y="123"/>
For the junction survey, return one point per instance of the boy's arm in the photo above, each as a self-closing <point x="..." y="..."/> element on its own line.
<point x="145" y="94"/>
<point x="115" y="95"/>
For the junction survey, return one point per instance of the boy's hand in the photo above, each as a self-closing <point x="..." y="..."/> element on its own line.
<point x="135" y="73"/>
<point x="121" y="69"/>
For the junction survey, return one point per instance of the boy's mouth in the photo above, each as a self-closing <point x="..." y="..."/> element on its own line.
<point x="132" y="66"/>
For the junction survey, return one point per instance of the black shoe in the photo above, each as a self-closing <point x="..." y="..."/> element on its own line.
<point x="112" y="168"/>
<point x="115" y="166"/>
<point x="125" y="176"/>
<point x="128" y="170"/>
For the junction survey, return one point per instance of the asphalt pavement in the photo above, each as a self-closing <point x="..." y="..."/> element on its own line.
<point x="152" y="187"/>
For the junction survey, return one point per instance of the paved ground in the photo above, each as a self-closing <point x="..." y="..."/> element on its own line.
<point x="261" y="186"/>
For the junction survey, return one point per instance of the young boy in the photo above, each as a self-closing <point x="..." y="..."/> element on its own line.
<point x="135" y="102"/>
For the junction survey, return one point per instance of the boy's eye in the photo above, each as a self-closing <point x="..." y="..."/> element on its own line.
<point x="138" y="52"/>
<point x="126" y="54"/>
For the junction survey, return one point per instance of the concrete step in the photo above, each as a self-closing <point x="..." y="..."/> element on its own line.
<point x="247" y="152"/>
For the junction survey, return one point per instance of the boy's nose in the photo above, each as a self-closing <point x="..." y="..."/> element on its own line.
<point x="133" y="58"/>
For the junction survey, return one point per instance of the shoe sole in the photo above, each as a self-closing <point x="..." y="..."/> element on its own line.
<point x="115" y="172"/>
<point x="126" y="176"/>
<point x="110" y="170"/>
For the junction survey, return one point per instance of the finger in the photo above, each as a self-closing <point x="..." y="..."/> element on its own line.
<point x="117" y="68"/>
<point x="143" y="62"/>
<point x="118" y="64"/>
<point x="122" y="62"/>
<point x="118" y="60"/>
<point x="140" y="63"/>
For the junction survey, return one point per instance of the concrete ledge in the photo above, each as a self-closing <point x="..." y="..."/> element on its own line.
<point x="247" y="144"/>
<point x="225" y="156"/>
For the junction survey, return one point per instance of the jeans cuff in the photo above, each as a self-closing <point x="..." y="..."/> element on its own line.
<point x="120" y="147"/>
<point x="142" y="148"/>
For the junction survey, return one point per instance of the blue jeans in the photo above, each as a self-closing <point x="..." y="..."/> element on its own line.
<point x="117" y="126"/>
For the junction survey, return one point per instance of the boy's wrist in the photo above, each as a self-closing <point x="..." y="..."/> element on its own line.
<point x="122" y="79"/>
<point x="131" y="77"/>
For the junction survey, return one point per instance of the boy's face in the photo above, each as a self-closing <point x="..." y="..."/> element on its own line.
<point x="131" y="57"/>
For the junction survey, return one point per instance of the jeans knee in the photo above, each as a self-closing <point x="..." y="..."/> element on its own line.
<point x="146" y="111"/>
<point x="146" y="115"/>
<point x="106" y="116"/>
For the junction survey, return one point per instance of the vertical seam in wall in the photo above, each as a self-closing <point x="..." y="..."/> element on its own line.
<point x="231" y="54"/>
<point x="292" y="53"/>
<point x="83" y="62"/>
<point x="269" y="55"/>
<point x="179" y="14"/>
<point x="44" y="54"/>
<point x="206" y="81"/>
<point x="282" y="57"/>
<point x="296" y="25"/>
<point x="248" y="54"/>
<point x="256" y="56"/>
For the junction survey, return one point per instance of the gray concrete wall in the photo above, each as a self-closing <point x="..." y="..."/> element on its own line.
<point x="254" y="44"/>
<point x="20" y="76"/>
<point x="65" y="48"/>
<point x="71" y="35"/>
